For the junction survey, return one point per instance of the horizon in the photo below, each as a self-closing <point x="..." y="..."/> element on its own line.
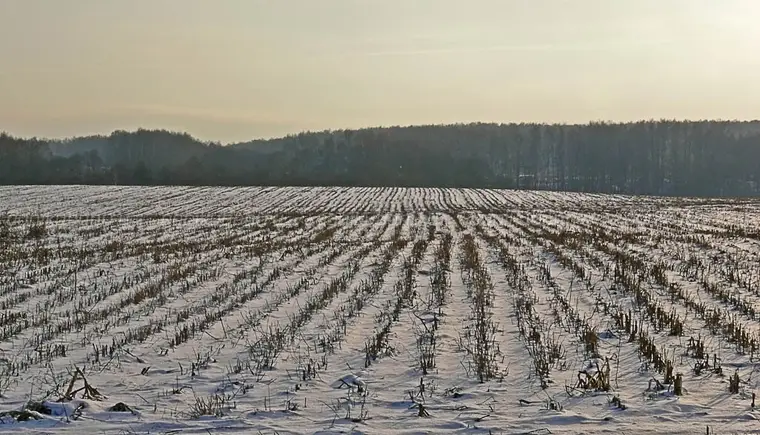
<point x="328" y="130"/>
<point x="240" y="70"/>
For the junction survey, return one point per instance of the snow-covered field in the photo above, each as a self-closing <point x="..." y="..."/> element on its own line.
<point x="370" y="310"/>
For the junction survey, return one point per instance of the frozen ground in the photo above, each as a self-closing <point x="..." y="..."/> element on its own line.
<point x="368" y="310"/>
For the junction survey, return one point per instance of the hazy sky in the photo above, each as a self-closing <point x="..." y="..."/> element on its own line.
<point x="232" y="70"/>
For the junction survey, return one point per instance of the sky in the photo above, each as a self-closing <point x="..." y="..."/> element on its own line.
<point x="233" y="70"/>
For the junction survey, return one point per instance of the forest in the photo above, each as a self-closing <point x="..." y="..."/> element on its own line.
<point x="664" y="157"/>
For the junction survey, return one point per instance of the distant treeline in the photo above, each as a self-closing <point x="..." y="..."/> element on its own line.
<point x="705" y="158"/>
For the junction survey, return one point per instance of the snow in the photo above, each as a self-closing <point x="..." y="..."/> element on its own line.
<point x="252" y="309"/>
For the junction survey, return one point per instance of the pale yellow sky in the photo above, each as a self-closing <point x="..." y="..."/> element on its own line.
<point x="233" y="70"/>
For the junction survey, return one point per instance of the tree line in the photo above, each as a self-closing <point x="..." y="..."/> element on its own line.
<point x="691" y="158"/>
